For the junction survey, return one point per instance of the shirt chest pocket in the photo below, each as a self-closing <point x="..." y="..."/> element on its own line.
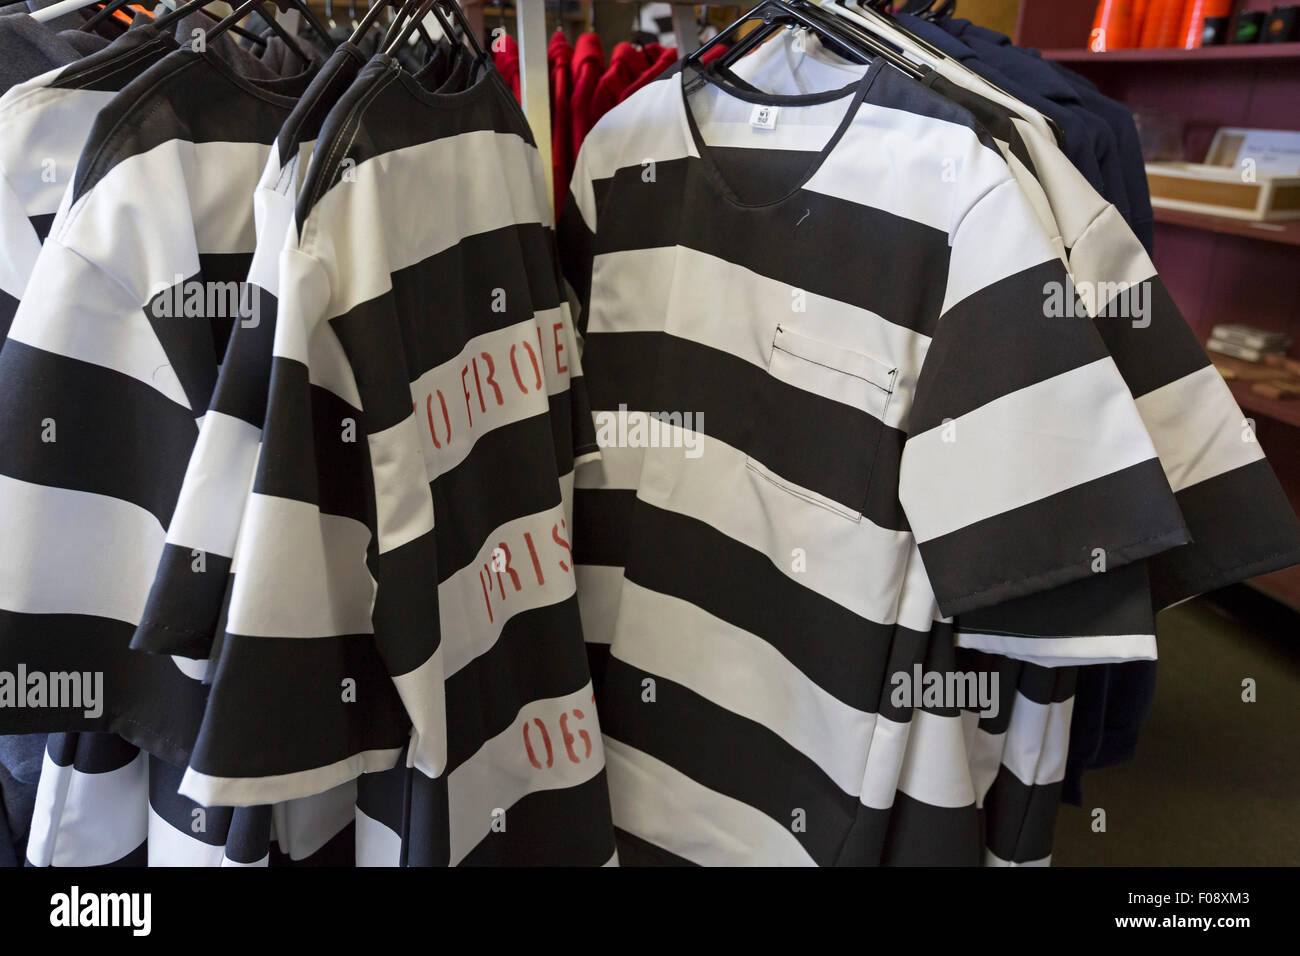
<point x="820" y="415"/>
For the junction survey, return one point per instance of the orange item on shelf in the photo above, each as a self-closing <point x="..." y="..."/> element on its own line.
<point x="1162" y="22"/>
<point x="1140" y="8"/>
<point x="1112" y="26"/>
<point x="1193" y="24"/>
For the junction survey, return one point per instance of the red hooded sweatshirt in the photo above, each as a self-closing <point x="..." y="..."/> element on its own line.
<point x="588" y="65"/>
<point x="626" y="64"/>
<point x="559" y="59"/>
<point x="505" y="57"/>
<point x="666" y="58"/>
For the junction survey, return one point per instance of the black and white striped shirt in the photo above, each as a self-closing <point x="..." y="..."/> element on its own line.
<point x="889" y="418"/>
<point x="423" y="366"/>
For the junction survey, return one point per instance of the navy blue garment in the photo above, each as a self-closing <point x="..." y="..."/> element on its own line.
<point x="1123" y="163"/>
<point x="1028" y="73"/>
<point x="21" y="756"/>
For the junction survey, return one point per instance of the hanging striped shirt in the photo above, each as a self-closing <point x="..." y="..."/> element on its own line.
<point x="423" y="365"/>
<point x="888" y="417"/>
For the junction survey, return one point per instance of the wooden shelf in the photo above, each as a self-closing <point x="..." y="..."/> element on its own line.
<point x="1282" y="410"/>
<point x="1210" y="54"/>
<point x="1286" y="232"/>
<point x="1281" y="586"/>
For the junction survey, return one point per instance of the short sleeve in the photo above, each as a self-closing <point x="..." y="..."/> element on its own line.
<point x="1027" y="464"/>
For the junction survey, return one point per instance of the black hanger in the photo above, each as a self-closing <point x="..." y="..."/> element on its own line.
<point x="774" y="14"/>
<point x="372" y="14"/>
<point x="103" y="14"/>
<point x="255" y="6"/>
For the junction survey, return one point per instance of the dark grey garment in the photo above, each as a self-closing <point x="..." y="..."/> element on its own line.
<point x="29" y="48"/>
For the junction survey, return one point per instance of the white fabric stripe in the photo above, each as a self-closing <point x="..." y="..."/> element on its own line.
<point x="740" y="672"/>
<point x="935" y="768"/>
<point x="976" y="263"/>
<point x="502" y="192"/>
<point x="983" y="754"/>
<point x="18" y="240"/>
<point x="856" y="564"/>
<point x="302" y="330"/>
<point x="468" y="629"/>
<point x="256" y="864"/>
<point x="89" y="819"/>
<point x="618" y="467"/>
<point x="653" y="801"/>
<point x="307" y="576"/>
<point x="217" y="218"/>
<point x="500" y="773"/>
<point x="377" y="845"/>
<point x="423" y="693"/>
<point x="403" y="504"/>
<point x="1038" y="740"/>
<point x="461" y="386"/>
<point x="303" y="827"/>
<point x="169" y="846"/>
<point x="208" y="790"/>
<point x="47" y="123"/>
<point x="216" y="486"/>
<point x="599" y="592"/>
<point x="273" y="210"/>
<point x="1198" y="429"/>
<point x="1064" y="651"/>
<point x="1021" y="448"/>
<point x="633" y="290"/>
<point x="98" y="321"/>
<point x="86" y="553"/>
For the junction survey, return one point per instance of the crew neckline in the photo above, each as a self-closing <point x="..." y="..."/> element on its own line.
<point x="855" y="93"/>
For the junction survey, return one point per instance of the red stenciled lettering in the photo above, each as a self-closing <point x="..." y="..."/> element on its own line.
<point x="479" y="386"/>
<point x="514" y="367"/>
<point x="537" y="368"/>
<point x="568" y="738"/>
<point x="555" y="536"/>
<point x="485" y="585"/>
<point x="586" y="737"/>
<point x="514" y="575"/>
<point x="546" y="740"/>
<point x="532" y="552"/>
<point x="465" y="388"/>
<point x="559" y="363"/>
<point x="492" y="370"/>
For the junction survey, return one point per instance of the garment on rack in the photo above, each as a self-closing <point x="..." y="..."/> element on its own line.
<point x="505" y="54"/>
<point x="748" y="558"/>
<point x="588" y="66"/>
<point x="478" y="390"/>
<point x="1102" y="253"/>
<point x="559" y="58"/>
<point x="658" y="66"/>
<point x="626" y="63"/>
<point x="118" y="330"/>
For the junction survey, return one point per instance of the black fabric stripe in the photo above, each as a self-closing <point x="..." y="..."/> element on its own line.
<point x="287" y="694"/>
<point x="576" y="244"/>
<point x="212" y="826"/>
<point x="305" y="456"/>
<point x="1129" y="514"/>
<point x="844" y="654"/>
<point x="405" y="614"/>
<point x="137" y="439"/>
<point x="997" y="341"/>
<point x="533" y="823"/>
<point x="90" y="752"/>
<point x="8" y="306"/>
<point x="41" y="224"/>
<point x="634" y="851"/>
<point x="241" y="390"/>
<point x="828" y="447"/>
<point x="537" y="657"/>
<point x="1116" y="602"/>
<point x="201" y="105"/>
<point x="748" y="763"/>
<point x="382" y="795"/>
<point x="425" y="826"/>
<point x="994" y="118"/>
<point x="1020" y="820"/>
<point x="602" y="519"/>
<point x="913" y="833"/>
<point x="183" y="611"/>
<point x="110" y="69"/>
<point x="378" y="115"/>
<point x="1242" y="525"/>
<point x="497" y="483"/>
<point x="900" y="288"/>
<point x="304" y="123"/>
<point x="145" y="697"/>
<point x="462" y="285"/>
<point x="1149" y="355"/>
